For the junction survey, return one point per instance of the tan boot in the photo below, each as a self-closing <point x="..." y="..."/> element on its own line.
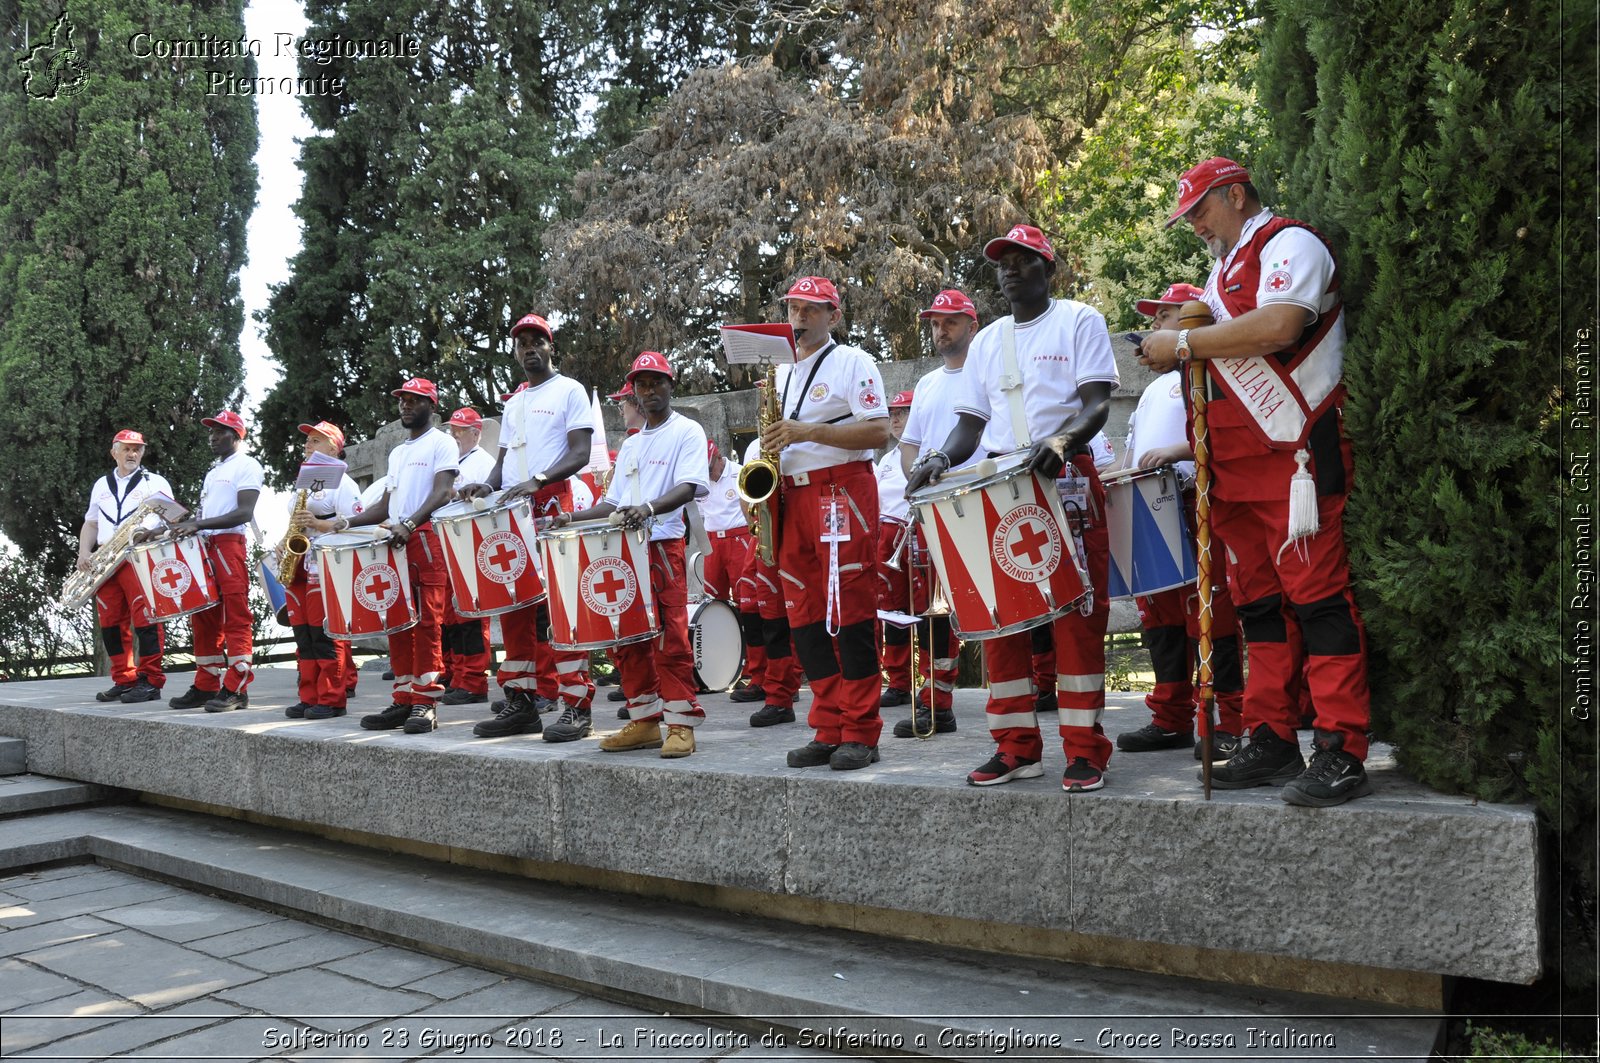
<point x="638" y="734"/>
<point x="679" y="743"/>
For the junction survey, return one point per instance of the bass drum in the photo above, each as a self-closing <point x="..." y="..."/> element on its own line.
<point x="718" y="644"/>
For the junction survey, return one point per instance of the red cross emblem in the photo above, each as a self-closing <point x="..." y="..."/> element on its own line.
<point x="1025" y="544"/>
<point x="1032" y="543"/>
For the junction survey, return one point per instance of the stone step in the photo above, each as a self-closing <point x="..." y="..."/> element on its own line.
<point x="13" y="756"/>
<point x="20" y="794"/>
<point x="814" y="988"/>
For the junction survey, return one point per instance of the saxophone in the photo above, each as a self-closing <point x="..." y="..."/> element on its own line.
<point x="295" y="543"/>
<point x="80" y="586"/>
<point x="759" y="480"/>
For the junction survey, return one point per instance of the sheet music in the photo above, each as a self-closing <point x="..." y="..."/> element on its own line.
<point x="762" y="344"/>
<point x="319" y="472"/>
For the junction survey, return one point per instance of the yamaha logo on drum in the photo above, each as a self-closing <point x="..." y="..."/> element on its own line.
<point x="377" y="588"/>
<point x="608" y="586"/>
<point x="172" y="578"/>
<point x="502" y="557"/>
<point x="1026" y="544"/>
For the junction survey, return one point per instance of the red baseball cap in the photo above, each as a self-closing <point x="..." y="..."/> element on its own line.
<point x="426" y="389"/>
<point x="815" y="290"/>
<point x="533" y="321"/>
<point x="326" y="428"/>
<point x="225" y="419"/>
<point x="624" y="392"/>
<point x="900" y="401"/>
<point x="519" y="390"/>
<point x="128" y="435"/>
<point x="650" y="362"/>
<point x="1196" y="182"/>
<point x="951" y="301"/>
<point x="466" y="417"/>
<point x="1027" y="237"/>
<point x="1176" y="295"/>
<point x="711" y="450"/>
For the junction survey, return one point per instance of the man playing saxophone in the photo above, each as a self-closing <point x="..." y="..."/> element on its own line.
<point x="132" y="638"/>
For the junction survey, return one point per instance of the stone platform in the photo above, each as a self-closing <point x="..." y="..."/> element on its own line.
<point x="1379" y="900"/>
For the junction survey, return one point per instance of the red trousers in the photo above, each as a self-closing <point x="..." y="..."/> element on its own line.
<point x="466" y="650"/>
<point x="725" y="567"/>
<point x="842" y="663"/>
<point x="325" y="665"/>
<point x="658" y="674"/>
<point x="530" y="662"/>
<point x="416" y="654"/>
<point x="134" y="641"/>
<point x="1080" y="657"/>
<point x="1171" y="623"/>
<point x="223" y="637"/>
<point x="1311" y="579"/>
<point x="770" y="661"/>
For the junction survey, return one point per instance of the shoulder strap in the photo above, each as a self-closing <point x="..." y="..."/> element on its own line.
<point x="1011" y="383"/>
<point x="794" y="415"/>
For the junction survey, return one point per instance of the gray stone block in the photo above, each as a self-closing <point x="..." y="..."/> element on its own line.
<point x="121" y="1036"/>
<point x="33" y="793"/>
<point x="13" y="756"/>
<point x="30" y="1027"/>
<point x="323" y="1000"/>
<point x="141" y="968"/>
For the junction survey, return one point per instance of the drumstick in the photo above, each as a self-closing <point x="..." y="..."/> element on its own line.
<point x="1194" y="315"/>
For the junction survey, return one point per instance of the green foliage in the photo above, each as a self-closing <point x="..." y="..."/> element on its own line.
<point x="1491" y="1045"/>
<point x="122" y="219"/>
<point x="32" y="636"/>
<point x="1422" y="138"/>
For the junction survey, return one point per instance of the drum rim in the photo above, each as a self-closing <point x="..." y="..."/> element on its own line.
<point x="696" y="608"/>
<point x="938" y="492"/>
<point x="1020" y="626"/>
<point x="475" y="614"/>
<point x="1129" y="475"/>
<point x="607" y="643"/>
<point x="414" y="621"/>
<point x="351" y="539"/>
<point x="166" y="540"/>
<point x="496" y="504"/>
<point x="578" y="529"/>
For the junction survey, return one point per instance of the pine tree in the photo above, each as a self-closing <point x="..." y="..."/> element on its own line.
<point x="124" y="191"/>
<point x="1423" y="138"/>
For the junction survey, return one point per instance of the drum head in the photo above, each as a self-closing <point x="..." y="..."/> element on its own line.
<point x="718" y="644"/>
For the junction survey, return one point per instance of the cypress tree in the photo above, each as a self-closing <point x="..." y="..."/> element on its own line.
<point x="124" y="191"/>
<point x="1423" y="137"/>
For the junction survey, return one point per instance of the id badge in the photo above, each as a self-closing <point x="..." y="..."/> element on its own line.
<point x="1073" y="489"/>
<point x="834" y="520"/>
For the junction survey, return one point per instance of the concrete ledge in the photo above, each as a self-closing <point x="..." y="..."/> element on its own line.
<point x="31" y="793"/>
<point x="13" y="756"/>
<point x="1406" y="881"/>
<point x="948" y="1003"/>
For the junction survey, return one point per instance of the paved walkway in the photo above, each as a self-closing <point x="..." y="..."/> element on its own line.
<point x="99" y="964"/>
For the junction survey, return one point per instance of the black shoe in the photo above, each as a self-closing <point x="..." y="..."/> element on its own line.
<point x="388" y="675"/>
<point x="573" y="725"/>
<point x="624" y="714"/>
<point x="852" y="755"/>
<point x="1082" y="777"/>
<point x="192" y="698"/>
<point x="424" y="719"/>
<point x="751" y="693"/>
<point x="894" y="697"/>
<point x="1333" y="778"/>
<point x="1223" y="746"/>
<point x="115" y="693"/>
<point x="324" y="712"/>
<point x="387" y="720"/>
<point x="768" y="715"/>
<point x="520" y="716"/>
<point x="457" y="696"/>
<point x="919" y="726"/>
<point x="1267" y="761"/>
<point x="617" y="695"/>
<point x="143" y="690"/>
<point x="606" y="680"/>
<point x="227" y="701"/>
<point x="298" y="710"/>
<point x="813" y="754"/>
<point x="1150" y="738"/>
<point x="1045" y="702"/>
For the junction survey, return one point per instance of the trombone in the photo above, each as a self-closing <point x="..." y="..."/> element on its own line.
<point x="915" y="559"/>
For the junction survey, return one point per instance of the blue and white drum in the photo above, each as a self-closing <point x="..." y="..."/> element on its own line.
<point x="1151" y="547"/>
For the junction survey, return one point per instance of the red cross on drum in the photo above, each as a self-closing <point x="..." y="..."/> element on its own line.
<point x="600" y="592"/>
<point x="366" y="590"/>
<point x="1000" y="547"/>
<point x="175" y="577"/>
<point x="490" y="554"/>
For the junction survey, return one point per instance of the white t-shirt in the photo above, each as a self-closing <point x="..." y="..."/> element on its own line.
<point x="220" y="493"/>
<point x="476" y="465"/>
<point x="110" y="506"/>
<point x="1159" y="421"/>
<point x="582" y="497"/>
<point x="1061" y="349"/>
<point x="655" y="460"/>
<point x="534" y="427"/>
<point x="720" y="508"/>
<point x="847" y="387"/>
<point x="933" y="413"/>
<point x="412" y="467"/>
<point x="892" y="504"/>
<point x="374" y="493"/>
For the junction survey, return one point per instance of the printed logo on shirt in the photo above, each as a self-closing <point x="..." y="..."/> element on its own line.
<point x="869" y="395"/>
<point x="608" y="586"/>
<point x="1177" y="388"/>
<point x="1279" y="280"/>
<point x="818" y="393"/>
<point x="502" y="557"/>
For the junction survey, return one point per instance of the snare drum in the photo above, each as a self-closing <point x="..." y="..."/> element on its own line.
<point x="718" y="644"/>
<point x="492" y="567"/>
<point x="366" y="586"/>
<point x="999" y="549"/>
<point x="599" y="585"/>
<point x="175" y="575"/>
<point x="1151" y="548"/>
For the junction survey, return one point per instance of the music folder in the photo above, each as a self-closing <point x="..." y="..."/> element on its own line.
<point x="759" y="344"/>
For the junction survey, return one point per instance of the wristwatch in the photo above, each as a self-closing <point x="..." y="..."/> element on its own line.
<point x="541" y="479"/>
<point x="1182" y="349"/>
<point x="410" y="524"/>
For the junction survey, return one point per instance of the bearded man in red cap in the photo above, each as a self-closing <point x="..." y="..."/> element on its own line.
<point x="223" y="637"/>
<point x="834" y="419"/>
<point x="660" y="469"/>
<point x="132" y="638"/>
<point x="1283" y="469"/>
